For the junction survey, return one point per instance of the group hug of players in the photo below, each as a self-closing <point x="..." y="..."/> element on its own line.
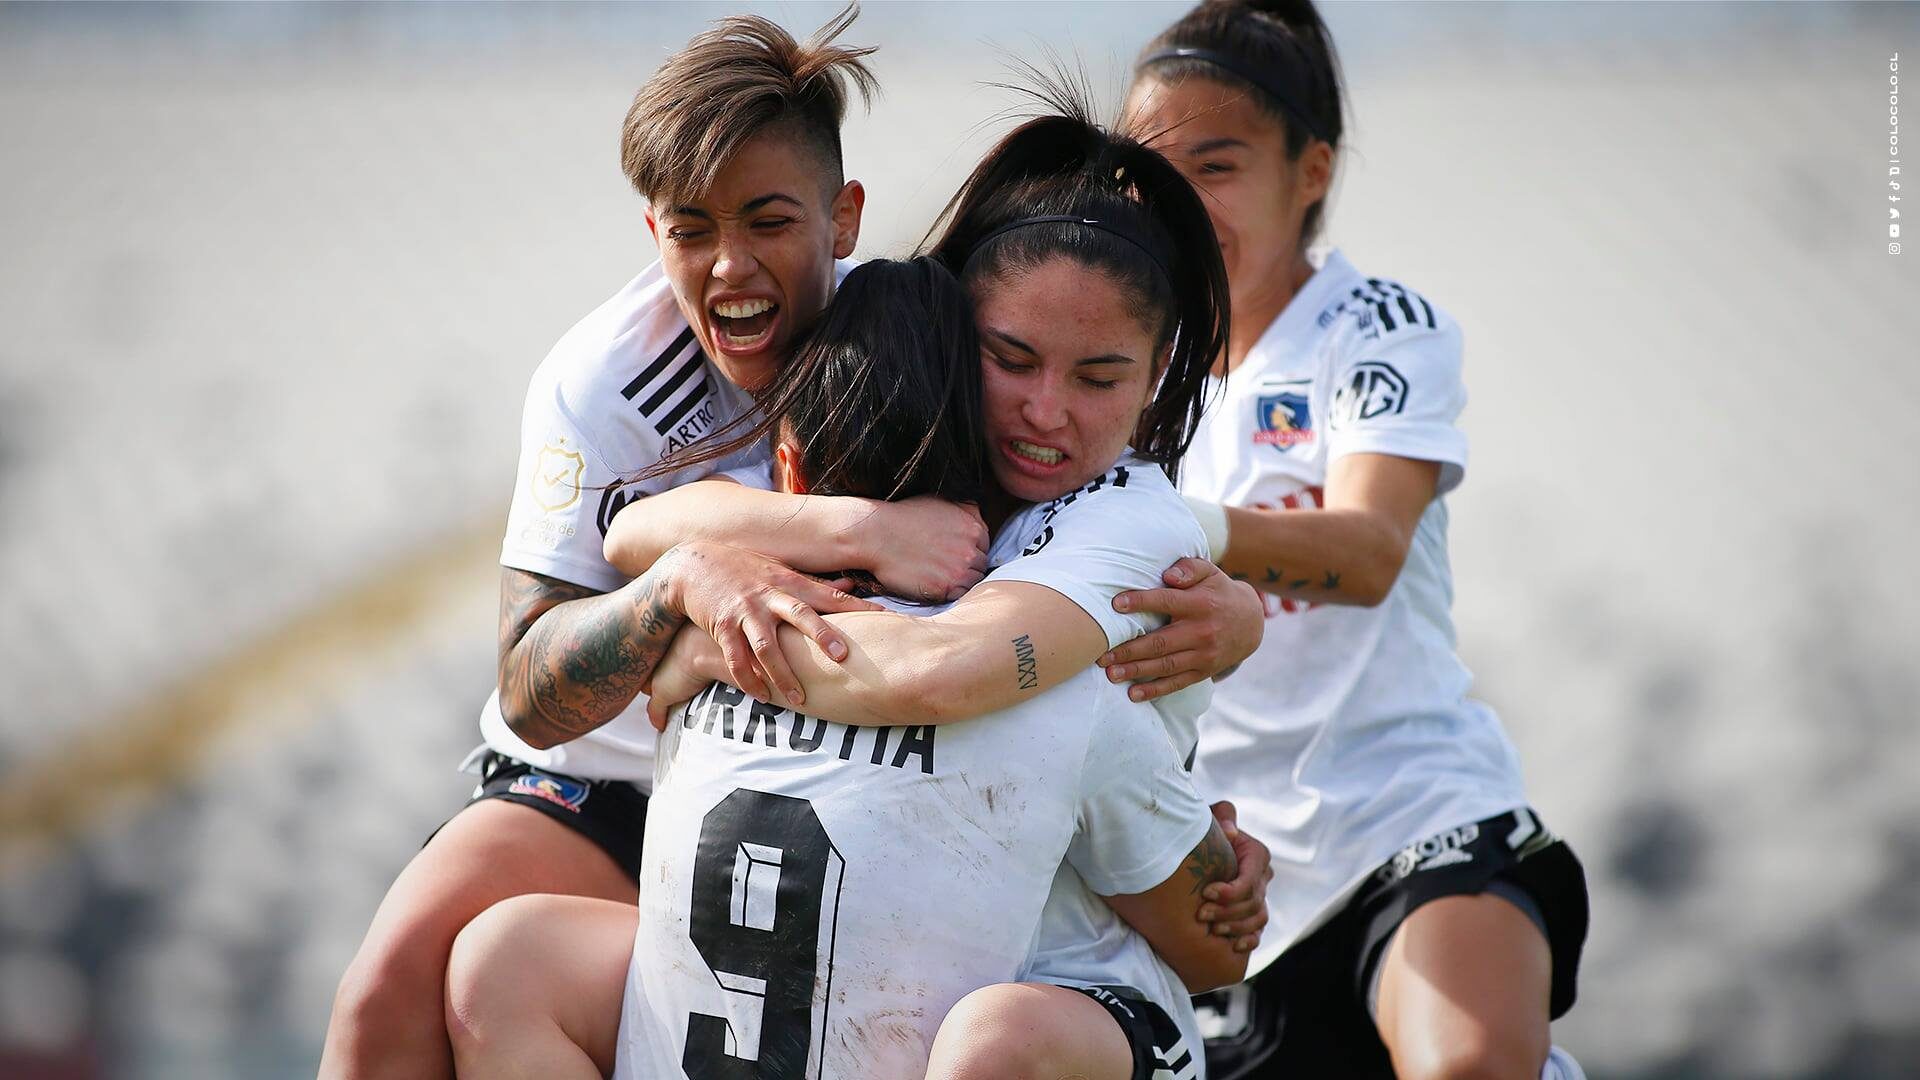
<point x="1031" y="645"/>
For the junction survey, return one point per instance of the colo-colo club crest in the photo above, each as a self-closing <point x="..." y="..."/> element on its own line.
<point x="1285" y="415"/>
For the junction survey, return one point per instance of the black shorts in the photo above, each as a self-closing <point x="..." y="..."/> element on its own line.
<point x="611" y="813"/>
<point x="1309" y="1013"/>
<point x="1160" y="1051"/>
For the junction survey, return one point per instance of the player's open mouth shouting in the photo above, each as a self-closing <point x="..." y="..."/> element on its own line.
<point x="742" y="324"/>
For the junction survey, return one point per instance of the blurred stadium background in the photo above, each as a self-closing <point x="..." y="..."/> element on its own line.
<point x="274" y="278"/>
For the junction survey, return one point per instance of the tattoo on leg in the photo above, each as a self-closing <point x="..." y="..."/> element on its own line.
<point x="1332" y="581"/>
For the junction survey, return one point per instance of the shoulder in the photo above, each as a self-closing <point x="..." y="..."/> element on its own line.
<point x="1120" y="729"/>
<point x="1381" y="338"/>
<point x="638" y="323"/>
<point x="1361" y="309"/>
<point x="1132" y="504"/>
<point x="1130" y="750"/>
<point x="628" y="370"/>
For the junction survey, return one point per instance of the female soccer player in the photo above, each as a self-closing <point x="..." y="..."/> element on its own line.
<point x="1067" y="240"/>
<point x="1424" y="922"/>
<point x="1096" y="282"/>
<point x="903" y="866"/>
<point x="735" y="143"/>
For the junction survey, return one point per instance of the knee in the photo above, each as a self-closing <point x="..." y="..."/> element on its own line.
<point x="988" y="1035"/>
<point x="1485" y="1056"/>
<point x="1010" y="1032"/>
<point x="479" y="974"/>
<point x="395" y="976"/>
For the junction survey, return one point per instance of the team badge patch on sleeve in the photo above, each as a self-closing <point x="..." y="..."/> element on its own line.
<point x="555" y="483"/>
<point x="1285" y="415"/>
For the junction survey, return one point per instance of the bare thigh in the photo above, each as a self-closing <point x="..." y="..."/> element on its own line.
<point x="389" y="1014"/>
<point x="1029" y="1031"/>
<point x="1464" y="990"/>
<point x="532" y="975"/>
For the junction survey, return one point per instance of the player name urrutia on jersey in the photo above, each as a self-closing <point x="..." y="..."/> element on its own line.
<point x="714" y="712"/>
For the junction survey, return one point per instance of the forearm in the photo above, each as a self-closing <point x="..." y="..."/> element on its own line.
<point x="1004" y="644"/>
<point x="583" y="661"/>
<point x="811" y="533"/>
<point x="886" y="656"/>
<point x="1164" y="915"/>
<point x="1327" y="556"/>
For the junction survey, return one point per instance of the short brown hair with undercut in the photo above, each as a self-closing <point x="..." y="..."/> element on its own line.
<point x="733" y="81"/>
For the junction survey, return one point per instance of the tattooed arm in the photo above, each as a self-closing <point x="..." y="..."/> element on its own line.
<point x="1164" y="915"/>
<point x="1349" y="551"/>
<point x="571" y="658"/>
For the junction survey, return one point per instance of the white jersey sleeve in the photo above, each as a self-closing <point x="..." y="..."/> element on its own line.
<point x="1139" y="813"/>
<point x="1119" y="532"/>
<point x="551" y="525"/>
<point x="1399" y="390"/>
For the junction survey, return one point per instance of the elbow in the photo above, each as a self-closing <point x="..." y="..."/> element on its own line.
<point x="922" y="701"/>
<point x="529" y="734"/>
<point x="623" y="554"/>
<point x="524" y="724"/>
<point x="1371" y="589"/>
<point x="1214" y="968"/>
<point x="1374" y="581"/>
<point x="940" y="691"/>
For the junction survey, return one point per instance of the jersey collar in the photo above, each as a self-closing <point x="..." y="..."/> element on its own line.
<point x="1295" y="321"/>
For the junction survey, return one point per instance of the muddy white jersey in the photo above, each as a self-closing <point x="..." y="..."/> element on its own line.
<point x="815" y="897"/>
<point x="626" y="386"/>
<point x="1349" y="733"/>
<point x="1119" y="532"/>
<point x="1083" y="943"/>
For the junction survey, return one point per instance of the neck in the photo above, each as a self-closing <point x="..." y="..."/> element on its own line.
<point x="996" y="508"/>
<point x="1252" y="314"/>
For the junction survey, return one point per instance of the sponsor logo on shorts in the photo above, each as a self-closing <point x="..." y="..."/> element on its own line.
<point x="1285" y="416"/>
<point x="1445" y="849"/>
<point x="555" y="789"/>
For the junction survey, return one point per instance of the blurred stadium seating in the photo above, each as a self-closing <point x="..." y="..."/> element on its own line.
<point x="274" y="277"/>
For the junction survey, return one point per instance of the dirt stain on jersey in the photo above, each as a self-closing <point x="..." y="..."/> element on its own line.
<point x="994" y="809"/>
<point x="889" y="1042"/>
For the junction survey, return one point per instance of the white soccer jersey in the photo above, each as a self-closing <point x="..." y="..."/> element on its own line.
<point x="626" y="386"/>
<point x="1348" y="734"/>
<point x="815" y="897"/>
<point x="1119" y="532"/>
<point x="1083" y="943"/>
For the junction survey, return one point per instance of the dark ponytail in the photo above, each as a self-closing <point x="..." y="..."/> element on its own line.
<point x="882" y="397"/>
<point x="1277" y="50"/>
<point x="1112" y="205"/>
